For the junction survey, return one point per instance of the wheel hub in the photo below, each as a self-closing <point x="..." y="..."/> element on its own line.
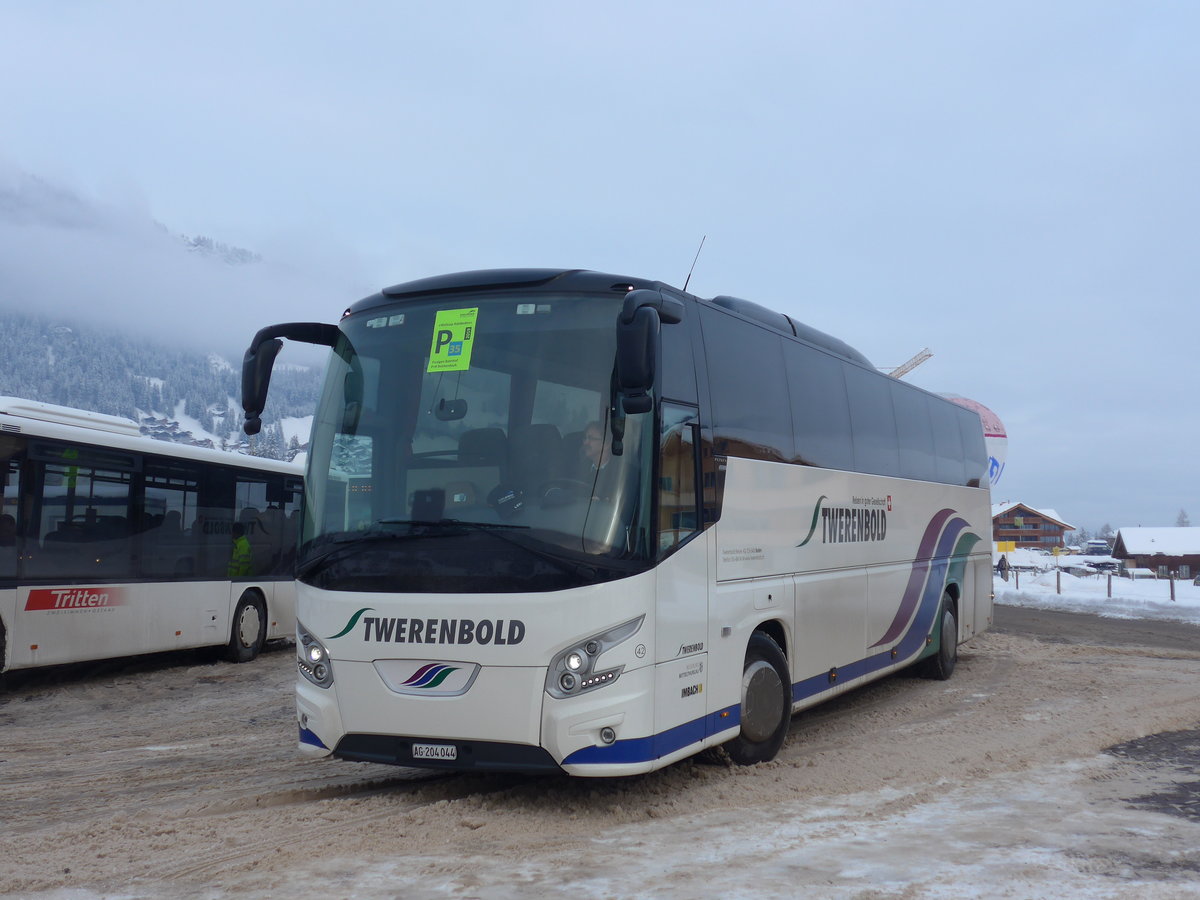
<point x="249" y="626"/>
<point x="762" y="699"/>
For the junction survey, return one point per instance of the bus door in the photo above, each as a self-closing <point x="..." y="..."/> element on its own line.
<point x="11" y="451"/>
<point x="79" y="554"/>
<point x="682" y="580"/>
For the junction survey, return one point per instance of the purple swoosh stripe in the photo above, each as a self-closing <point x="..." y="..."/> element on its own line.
<point x="932" y="593"/>
<point x="431" y="675"/>
<point x="418" y="675"/>
<point x="916" y="579"/>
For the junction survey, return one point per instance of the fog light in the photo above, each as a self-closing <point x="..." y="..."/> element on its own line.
<point x="320" y="671"/>
<point x="567" y="681"/>
<point x="607" y="735"/>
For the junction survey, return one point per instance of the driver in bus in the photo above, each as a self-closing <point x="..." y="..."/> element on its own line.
<point x="596" y="466"/>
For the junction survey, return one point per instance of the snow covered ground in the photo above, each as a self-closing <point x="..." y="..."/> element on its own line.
<point x="991" y="785"/>
<point x="1131" y="599"/>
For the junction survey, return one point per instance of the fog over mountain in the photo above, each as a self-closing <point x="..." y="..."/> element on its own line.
<point x="105" y="263"/>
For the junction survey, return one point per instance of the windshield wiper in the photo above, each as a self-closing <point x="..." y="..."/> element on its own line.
<point x="421" y="528"/>
<point x="453" y="523"/>
<point x="496" y="529"/>
<point x="348" y="541"/>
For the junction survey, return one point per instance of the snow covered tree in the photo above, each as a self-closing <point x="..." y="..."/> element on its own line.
<point x="1182" y="520"/>
<point x="110" y="371"/>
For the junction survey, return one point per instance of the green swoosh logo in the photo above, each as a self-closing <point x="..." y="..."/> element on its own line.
<point x="349" y="625"/>
<point x="813" y="527"/>
<point x="440" y="677"/>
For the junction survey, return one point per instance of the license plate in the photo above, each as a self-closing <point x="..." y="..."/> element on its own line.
<point x="434" y="751"/>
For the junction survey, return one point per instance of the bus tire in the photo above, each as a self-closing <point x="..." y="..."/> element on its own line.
<point x="940" y="666"/>
<point x="766" y="697"/>
<point x="249" y="631"/>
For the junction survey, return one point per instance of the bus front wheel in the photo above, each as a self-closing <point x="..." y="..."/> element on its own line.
<point x="766" y="703"/>
<point x="249" y="631"/>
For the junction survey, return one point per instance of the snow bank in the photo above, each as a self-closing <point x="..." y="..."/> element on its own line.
<point x="1131" y="599"/>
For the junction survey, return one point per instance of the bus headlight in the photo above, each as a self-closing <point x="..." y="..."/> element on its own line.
<point x="577" y="669"/>
<point x="312" y="659"/>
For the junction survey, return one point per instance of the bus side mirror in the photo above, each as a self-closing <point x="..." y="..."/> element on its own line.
<point x="637" y="343"/>
<point x="256" y="378"/>
<point x="260" y="356"/>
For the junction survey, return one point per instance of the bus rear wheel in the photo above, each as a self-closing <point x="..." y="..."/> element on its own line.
<point x="249" y="631"/>
<point x="940" y="666"/>
<point x="766" y="703"/>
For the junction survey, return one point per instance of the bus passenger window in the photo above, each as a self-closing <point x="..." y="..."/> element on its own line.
<point x="84" y="524"/>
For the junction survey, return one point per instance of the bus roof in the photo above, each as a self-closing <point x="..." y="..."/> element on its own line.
<point x="66" y="415"/>
<point x="20" y="416"/>
<point x="586" y="280"/>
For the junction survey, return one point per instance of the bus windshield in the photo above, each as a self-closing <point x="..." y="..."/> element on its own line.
<point x="467" y="444"/>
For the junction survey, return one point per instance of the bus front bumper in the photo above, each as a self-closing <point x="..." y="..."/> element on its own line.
<point x="505" y="722"/>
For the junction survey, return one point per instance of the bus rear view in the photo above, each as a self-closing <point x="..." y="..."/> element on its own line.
<point x="531" y="543"/>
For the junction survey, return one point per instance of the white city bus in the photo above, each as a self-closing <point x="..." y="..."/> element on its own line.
<point x="113" y="544"/>
<point x="568" y="520"/>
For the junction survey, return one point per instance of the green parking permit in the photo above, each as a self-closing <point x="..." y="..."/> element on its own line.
<point x="453" y="335"/>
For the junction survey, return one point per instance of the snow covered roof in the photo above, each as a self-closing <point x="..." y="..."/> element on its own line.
<point x="1167" y="541"/>
<point x="999" y="509"/>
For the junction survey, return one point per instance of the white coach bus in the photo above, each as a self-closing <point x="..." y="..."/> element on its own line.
<point x="113" y="544"/>
<point x="568" y="520"/>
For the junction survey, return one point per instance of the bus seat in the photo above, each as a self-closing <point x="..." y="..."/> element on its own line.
<point x="534" y="455"/>
<point x="482" y="447"/>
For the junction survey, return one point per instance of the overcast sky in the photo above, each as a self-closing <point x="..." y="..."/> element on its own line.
<point x="1013" y="185"/>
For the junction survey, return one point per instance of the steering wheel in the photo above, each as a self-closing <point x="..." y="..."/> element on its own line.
<point x="561" y="491"/>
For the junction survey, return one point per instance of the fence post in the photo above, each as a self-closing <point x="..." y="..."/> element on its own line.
<point x="1017" y="574"/>
<point x="1172" y="579"/>
<point x="1110" y="585"/>
<point x="1058" y="581"/>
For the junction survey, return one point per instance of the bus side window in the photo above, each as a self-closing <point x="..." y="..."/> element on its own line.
<point x="678" y="518"/>
<point x="751" y="412"/>
<point x="820" y="410"/>
<point x="914" y="427"/>
<point x="85" y="527"/>
<point x="872" y="422"/>
<point x="948" y="443"/>
<point x="170" y="542"/>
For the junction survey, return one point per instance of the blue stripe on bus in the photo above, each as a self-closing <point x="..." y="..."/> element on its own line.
<point x="307" y="737"/>
<point x="640" y="750"/>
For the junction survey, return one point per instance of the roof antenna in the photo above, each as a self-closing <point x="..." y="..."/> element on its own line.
<point x="696" y="257"/>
